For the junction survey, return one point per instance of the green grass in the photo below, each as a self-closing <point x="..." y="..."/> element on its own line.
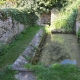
<point x="55" y="72"/>
<point x="7" y="74"/>
<point x="67" y="17"/>
<point x="18" y="46"/>
<point x="13" y="51"/>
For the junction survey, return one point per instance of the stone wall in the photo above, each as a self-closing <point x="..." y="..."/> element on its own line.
<point x="9" y="28"/>
<point x="54" y="14"/>
<point x="44" y="19"/>
<point x="78" y="20"/>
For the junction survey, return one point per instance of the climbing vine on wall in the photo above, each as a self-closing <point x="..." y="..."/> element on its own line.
<point x="23" y="16"/>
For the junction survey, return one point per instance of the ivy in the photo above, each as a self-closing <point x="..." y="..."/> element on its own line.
<point x="42" y="5"/>
<point x="23" y="16"/>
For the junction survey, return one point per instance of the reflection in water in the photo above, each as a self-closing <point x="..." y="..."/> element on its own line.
<point x="60" y="48"/>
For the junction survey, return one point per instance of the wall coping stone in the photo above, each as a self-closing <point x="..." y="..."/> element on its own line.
<point x="30" y="51"/>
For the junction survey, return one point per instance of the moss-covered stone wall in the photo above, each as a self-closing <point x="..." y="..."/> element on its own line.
<point x="9" y="28"/>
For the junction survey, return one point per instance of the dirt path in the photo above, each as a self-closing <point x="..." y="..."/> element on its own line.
<point x="62" y="48"/>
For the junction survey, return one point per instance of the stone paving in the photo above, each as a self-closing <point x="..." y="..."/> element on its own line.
<point x="25" y="76"/>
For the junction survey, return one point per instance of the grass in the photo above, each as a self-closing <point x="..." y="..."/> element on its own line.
<point x="13" y="52"/>
<point x="7" y="74"/>
<point x="67" y="17"/>
<point x="55" y="72"/>
<point x="18" y="46"/>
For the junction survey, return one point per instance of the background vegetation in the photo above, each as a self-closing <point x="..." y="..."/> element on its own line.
<point x="67" y="17"/>
<point x="26" y="12"/>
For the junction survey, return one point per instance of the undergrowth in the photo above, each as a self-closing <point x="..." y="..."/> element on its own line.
<point x="55" y="72"/>
<point x="67" y="17"/>
<point x="7" y="74"/>
<point x="23" y="15"/>
<point x="78" y="36"/>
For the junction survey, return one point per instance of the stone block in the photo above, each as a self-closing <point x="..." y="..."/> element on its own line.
<point x="30" y="51"/>
<point x="9" y="28"/>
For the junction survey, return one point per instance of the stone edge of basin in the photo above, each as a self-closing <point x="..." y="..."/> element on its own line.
<point x="30" y="51"/>
<point x="62" y="31"/>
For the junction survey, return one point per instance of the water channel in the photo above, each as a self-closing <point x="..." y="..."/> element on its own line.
<point x="60" y="48"/>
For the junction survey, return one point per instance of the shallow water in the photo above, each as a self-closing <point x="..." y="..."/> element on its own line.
<point x="60" y="48"/>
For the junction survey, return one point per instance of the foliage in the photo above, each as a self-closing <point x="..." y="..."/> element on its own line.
<point x="3" y="49"/>
<point x="78" y="36"/>
<point x="67" y="17"/>
<point x="78" y="33"/>
<point x="40" y="5"/>
<point x="21" y="15"/>
<point x="55" y="72"/>
<point x="7" y="74"/>
<point x="47" y="5"/>
<point x="2" y="2"/>
<point x="9" y="53"/>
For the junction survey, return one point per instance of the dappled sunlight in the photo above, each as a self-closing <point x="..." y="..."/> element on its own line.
<point x="66" y="17"/>
<point x="48" y="29"/>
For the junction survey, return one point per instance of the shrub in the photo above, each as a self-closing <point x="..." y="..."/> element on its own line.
<point x="67" y="17"/>
<point x="21" y="15"/>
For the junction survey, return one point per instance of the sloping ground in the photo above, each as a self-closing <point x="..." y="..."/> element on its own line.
<point x="18" y="46"/>
<point x="60" y="47"/>
<point x="14" y="50"/>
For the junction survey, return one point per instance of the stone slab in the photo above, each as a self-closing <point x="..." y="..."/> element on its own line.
<point x="30" y="51"/>
<point x="25" y="76"/>
<point x="54" y="31"/>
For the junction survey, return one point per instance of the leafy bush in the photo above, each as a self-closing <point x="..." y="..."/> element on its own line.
<point x="78" y="35"/>
<point x="67" y="17"/>
<point x="2" y="2"/>
<point x="21" y="15"/>
<point x="39" y="5"/>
